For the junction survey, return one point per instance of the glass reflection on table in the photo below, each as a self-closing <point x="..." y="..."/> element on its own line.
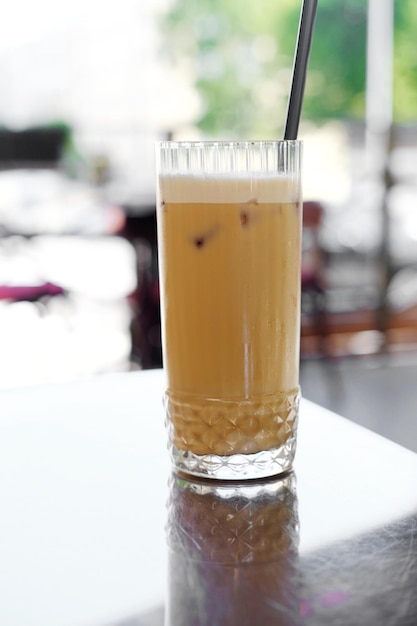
<point x="233" y="551"/>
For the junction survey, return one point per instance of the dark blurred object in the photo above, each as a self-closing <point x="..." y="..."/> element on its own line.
<point x="33" y="146"/>
<point x="146" y="320"/>
<point x="313" y="282"/>
<point x="140" y="230"/>
<point x="313" y="255"/>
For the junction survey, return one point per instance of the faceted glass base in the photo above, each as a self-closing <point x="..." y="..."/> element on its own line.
<point x="232" y="439"/>
<point x="237" y="466"/>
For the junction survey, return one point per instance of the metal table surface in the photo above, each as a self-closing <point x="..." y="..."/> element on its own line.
<point x="96" y="531"/>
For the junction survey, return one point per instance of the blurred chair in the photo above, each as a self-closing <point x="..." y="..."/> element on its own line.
<point x="32" y="147"/>
<point x="146" y="320"/>
<point x="313" y="280"/>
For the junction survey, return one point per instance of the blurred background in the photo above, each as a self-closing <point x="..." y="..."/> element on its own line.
<point x="87" y="87"/>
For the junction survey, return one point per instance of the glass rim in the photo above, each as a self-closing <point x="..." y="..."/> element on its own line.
<point x="221" y="143"/>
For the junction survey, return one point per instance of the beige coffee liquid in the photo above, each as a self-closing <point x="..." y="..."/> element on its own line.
<point x="230" y="283"/>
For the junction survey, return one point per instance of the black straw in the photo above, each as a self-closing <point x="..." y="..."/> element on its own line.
<point x="305" y="36"/>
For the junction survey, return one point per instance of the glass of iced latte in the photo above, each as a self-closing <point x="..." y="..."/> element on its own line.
<point x="229" y="238"/>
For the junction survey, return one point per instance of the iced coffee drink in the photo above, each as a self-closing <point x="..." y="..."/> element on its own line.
<point x="229" y="249"/>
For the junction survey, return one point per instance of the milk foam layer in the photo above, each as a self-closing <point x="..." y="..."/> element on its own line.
<point x="270" y="188"/>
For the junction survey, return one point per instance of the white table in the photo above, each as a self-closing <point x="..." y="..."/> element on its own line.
<point x="83" y="490"/>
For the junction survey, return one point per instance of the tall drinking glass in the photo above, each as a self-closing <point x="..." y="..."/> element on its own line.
<point x="229" y="238"/>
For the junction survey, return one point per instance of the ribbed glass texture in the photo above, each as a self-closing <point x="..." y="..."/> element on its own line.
<point x="207" y="158"/>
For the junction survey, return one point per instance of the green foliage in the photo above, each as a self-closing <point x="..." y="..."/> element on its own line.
<point x="233" y="49"/>
<point x="336" y="80"/>
<point x="405" y="61"/>
<point x="241" y="54"/>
